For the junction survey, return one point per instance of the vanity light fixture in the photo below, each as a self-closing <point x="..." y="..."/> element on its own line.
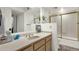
<point x="61" y="10"/>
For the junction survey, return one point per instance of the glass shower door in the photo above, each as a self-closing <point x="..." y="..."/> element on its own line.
<point x="69" y="26"/>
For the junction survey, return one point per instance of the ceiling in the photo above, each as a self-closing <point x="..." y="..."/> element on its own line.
<point x="57" y="10"/>
<point x="49" y="10"/>
<point x="52" y="10"/>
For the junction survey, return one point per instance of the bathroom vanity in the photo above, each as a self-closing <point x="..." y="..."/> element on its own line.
<point x="40" y="43"/>
<point x="43" y="44"/>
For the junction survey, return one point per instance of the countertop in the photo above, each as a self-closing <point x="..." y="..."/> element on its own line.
<point x="22" y="42"/>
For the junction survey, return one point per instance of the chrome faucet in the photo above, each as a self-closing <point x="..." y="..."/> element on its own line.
<point x="29" y="35"/>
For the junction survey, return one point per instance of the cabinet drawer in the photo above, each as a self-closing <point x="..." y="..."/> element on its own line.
<point x="39" y="44"/>
<point x="28" y="48"/>
<point x="48" y="46"/>
<point x="48" y="38"/>
<point x="41" y="48"/>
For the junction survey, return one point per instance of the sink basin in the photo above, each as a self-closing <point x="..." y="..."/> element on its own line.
<point x="33" y="37"/>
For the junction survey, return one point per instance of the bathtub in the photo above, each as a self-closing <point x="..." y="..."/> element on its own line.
<point x="68" y="45"/>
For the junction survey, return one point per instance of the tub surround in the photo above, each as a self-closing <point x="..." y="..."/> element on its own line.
<point x="22" y="42"/>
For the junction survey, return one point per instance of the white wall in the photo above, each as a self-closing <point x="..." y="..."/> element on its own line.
<point x="46" y="27"/>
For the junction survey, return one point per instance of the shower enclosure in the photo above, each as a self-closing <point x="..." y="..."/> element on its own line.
<point x="67" y="25"/>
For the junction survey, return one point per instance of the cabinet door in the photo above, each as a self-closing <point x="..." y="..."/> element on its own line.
<point x="48" y="46"/>
<point x="29" y="48"/>
<point x="41" y="48"/>
<point x="39" y="44"/>
<point x="48" y="43"/>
